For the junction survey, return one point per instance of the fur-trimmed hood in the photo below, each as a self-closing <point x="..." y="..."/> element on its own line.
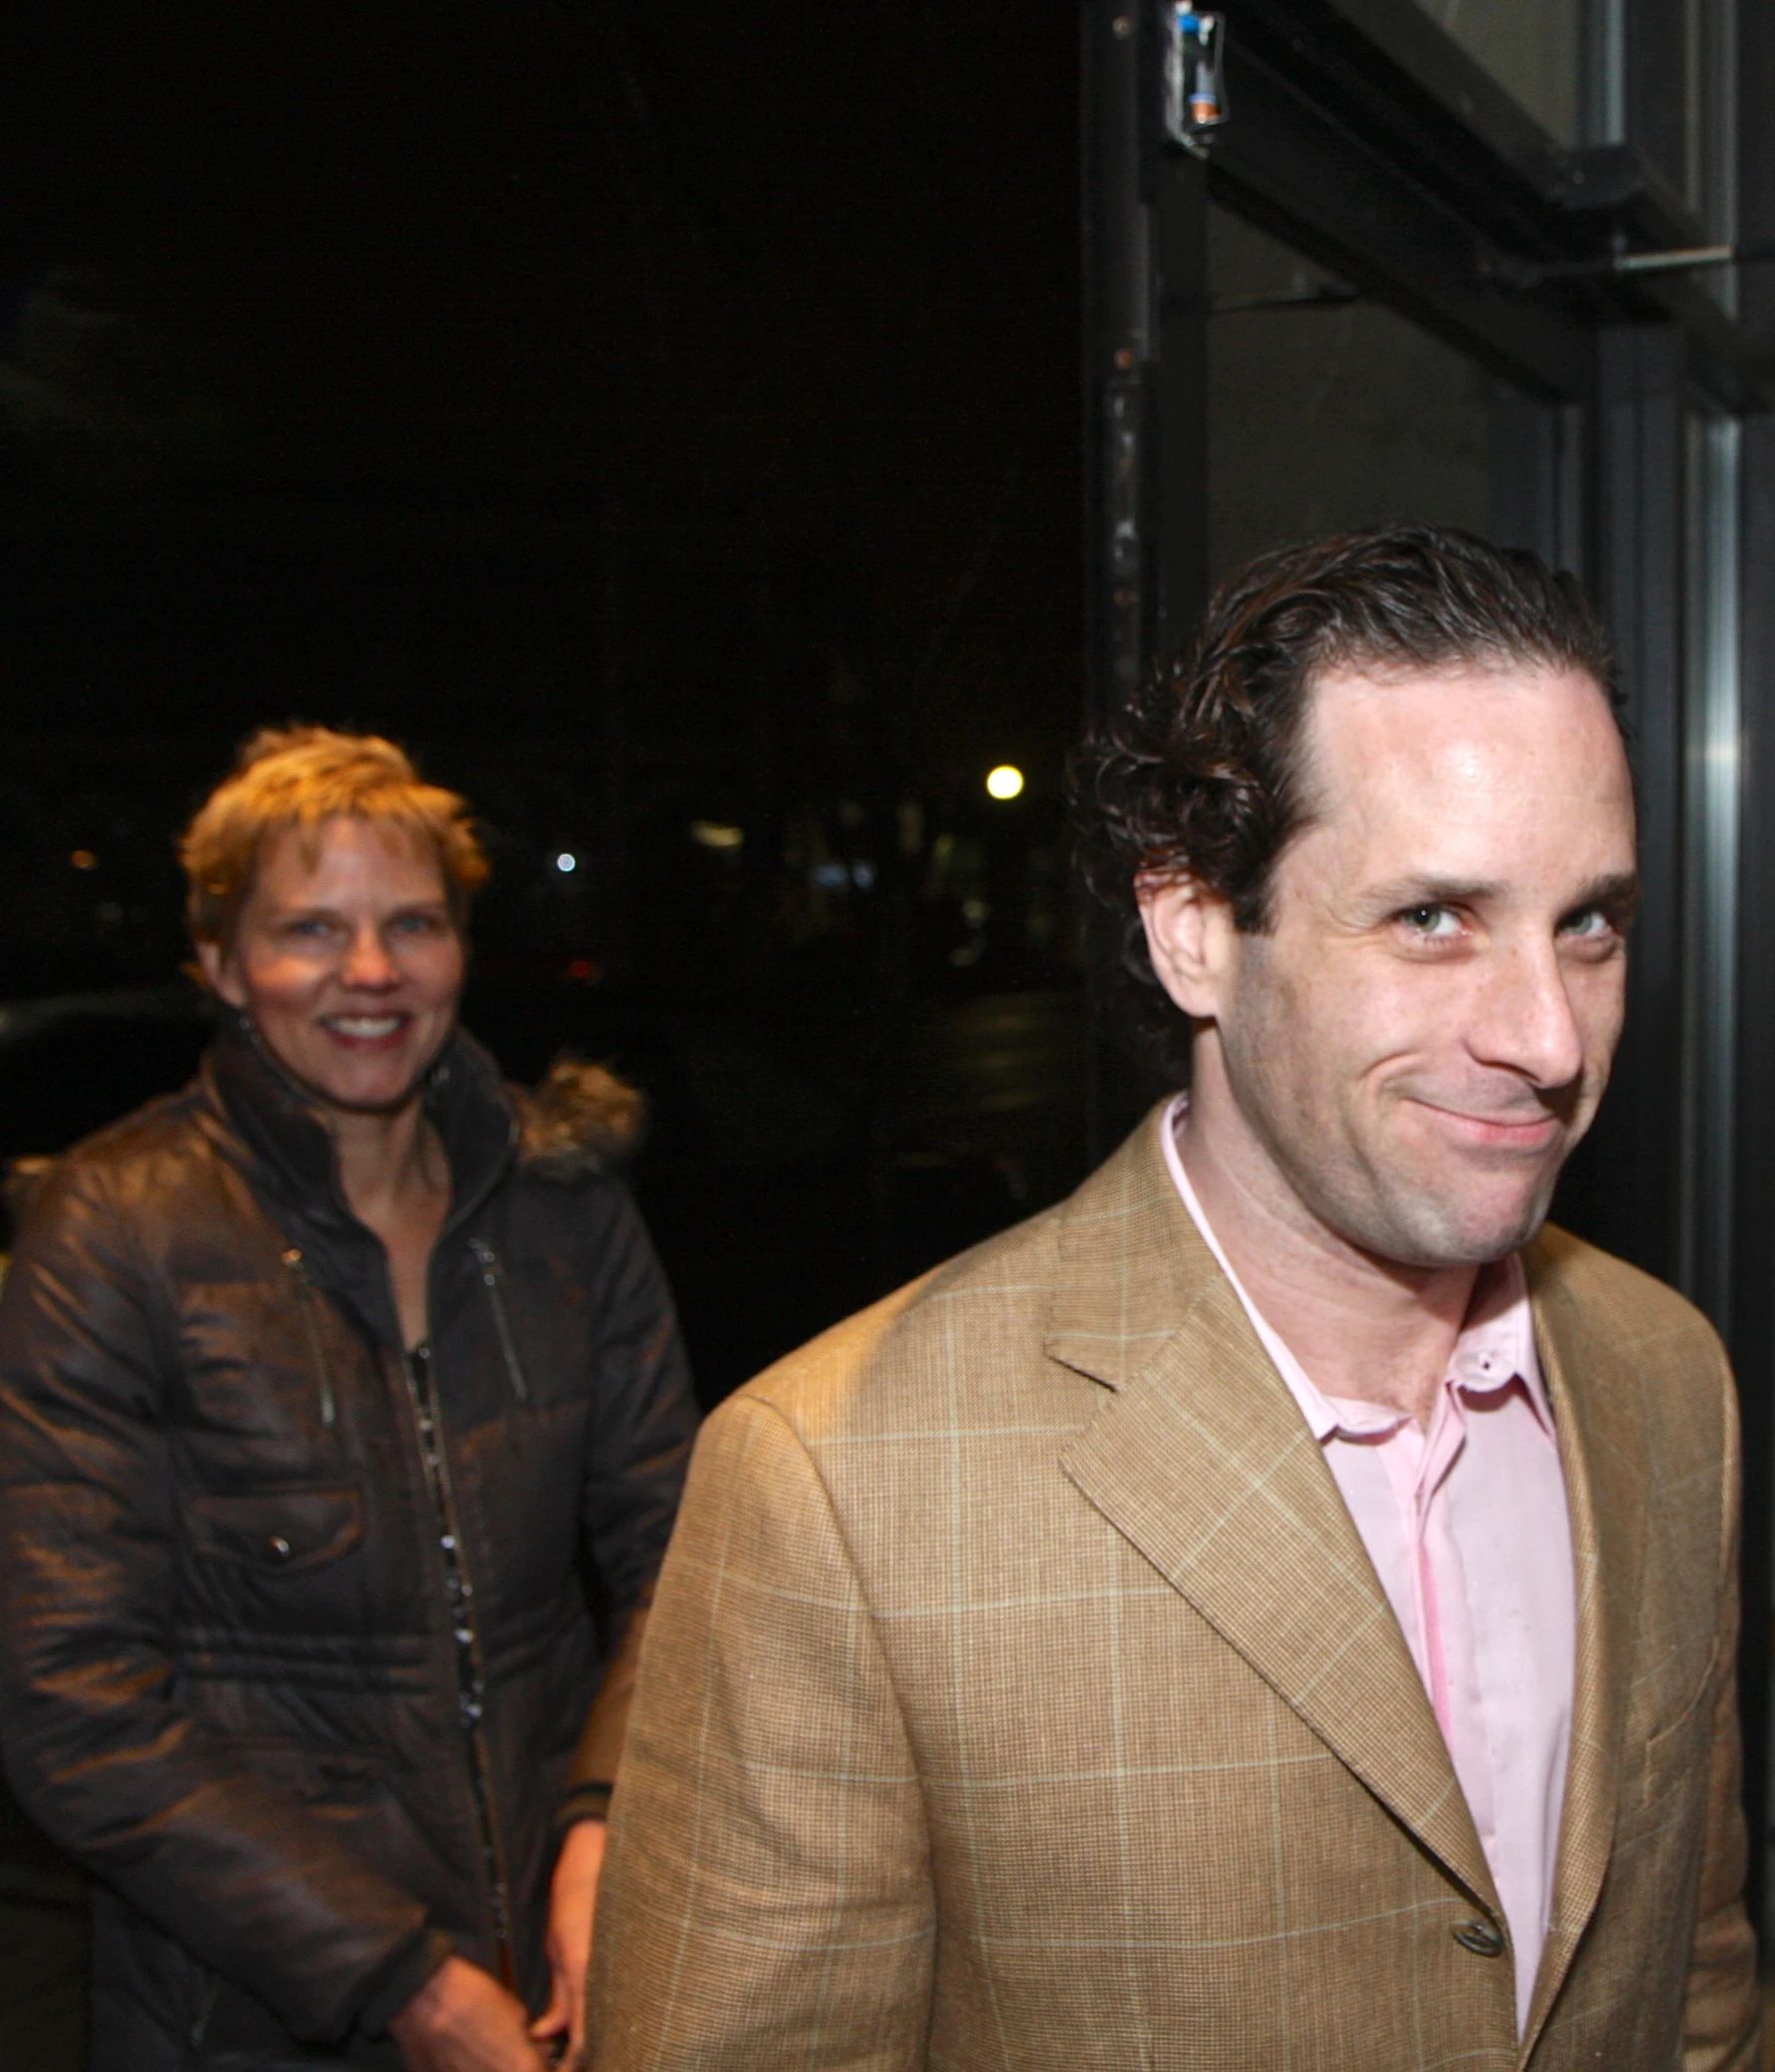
<point x="579" y="1119"/>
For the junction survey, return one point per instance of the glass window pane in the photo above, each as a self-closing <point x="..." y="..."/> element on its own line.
<point x="1327" y="414"/>
<point x="1679" y="97"/>
<point x="1708" y="169"/>
<point x="1530" y="47"/>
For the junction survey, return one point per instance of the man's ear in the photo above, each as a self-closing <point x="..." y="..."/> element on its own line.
<point x="218" y="969"/>
<point x="1192" y="940"/>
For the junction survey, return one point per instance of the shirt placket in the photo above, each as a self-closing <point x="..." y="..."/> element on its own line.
<point x="1441" y="1583"/>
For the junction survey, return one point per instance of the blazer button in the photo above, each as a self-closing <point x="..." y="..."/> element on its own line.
<point x="1481" y="1937"/>
<point x="280" y="1549"/>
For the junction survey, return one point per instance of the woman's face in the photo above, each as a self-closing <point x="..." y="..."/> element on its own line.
<point x="351" y="966"/>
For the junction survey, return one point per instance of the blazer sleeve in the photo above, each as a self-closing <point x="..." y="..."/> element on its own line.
<point x="766" y="1897"/>
<point x="634" y="1479"/>
<point x="99" y="1747"/>
<point x="1722" y="2022"/>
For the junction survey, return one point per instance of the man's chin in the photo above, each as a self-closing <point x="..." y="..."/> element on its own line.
<point x="1443" y="1235"/>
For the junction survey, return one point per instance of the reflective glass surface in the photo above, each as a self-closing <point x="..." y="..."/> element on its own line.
<point x="1530" y="47"/>
<point x="1709" y="149"/>
<point x="1328" y="414"/>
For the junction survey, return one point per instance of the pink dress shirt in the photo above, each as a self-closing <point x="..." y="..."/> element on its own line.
<point x="1467" y="1528"/>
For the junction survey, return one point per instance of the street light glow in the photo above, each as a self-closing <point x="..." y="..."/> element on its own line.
<point x="1004" y="782"/>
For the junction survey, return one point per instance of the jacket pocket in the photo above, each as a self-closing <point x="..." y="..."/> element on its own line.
<point x="278" y="1531"/>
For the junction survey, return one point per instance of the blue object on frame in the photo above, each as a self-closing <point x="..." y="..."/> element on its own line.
<point x="1194" y="83"/>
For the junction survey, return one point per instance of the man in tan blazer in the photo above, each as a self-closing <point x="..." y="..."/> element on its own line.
<point x="1275" y="1609"/>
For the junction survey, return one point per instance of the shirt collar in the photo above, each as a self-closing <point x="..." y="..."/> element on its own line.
<point x="1496" y="1342"/>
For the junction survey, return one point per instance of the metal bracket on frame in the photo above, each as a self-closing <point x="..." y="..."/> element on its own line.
<point x="1195" y="76"/>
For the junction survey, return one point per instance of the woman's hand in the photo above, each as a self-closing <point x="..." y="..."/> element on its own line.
<point x="572" y="1897"/>
<point x="462" y="2020"/>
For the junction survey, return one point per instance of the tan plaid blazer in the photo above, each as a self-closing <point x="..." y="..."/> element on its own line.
<point x="1019" y="1694"/>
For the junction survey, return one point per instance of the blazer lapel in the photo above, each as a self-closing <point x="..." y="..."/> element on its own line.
<point x="1201" y="1459"/>
<point x="1595" y="1398"/>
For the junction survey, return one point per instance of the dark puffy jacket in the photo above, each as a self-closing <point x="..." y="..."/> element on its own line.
<point x="232" y="1682"/>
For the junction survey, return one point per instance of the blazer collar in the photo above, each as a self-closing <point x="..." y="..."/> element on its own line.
<point x="1200" y="1458"/>
<point x="1595" y="1397"/>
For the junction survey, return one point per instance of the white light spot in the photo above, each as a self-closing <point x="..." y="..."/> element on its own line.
<point x="566" y="861"/>
<point x="1004" y="782"/>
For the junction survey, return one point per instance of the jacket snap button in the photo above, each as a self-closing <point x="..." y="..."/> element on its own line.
<point x="279" y="1550"/>
<point x="1480" y="1937"/>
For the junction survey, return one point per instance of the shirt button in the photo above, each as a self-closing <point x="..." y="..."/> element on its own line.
<point x="1481" y="1937"/>
<point x="279" y="1548"/>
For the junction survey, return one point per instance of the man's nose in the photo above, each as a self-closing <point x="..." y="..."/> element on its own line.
<point x="368" y="962"/>
<point x="1527" y="1023"/>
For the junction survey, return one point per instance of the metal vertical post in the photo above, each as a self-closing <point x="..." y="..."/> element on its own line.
<point x="1119" y="482"/>
<point x="1624" y="1182"/>
<point x="1752" y="1340"/>
<point x="1753" y="1248"/>
<point x="1712" y="731"/>
<point x="1146" y="384"/>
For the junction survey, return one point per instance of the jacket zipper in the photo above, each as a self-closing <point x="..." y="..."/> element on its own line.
<point x="305" y="1301"/>
<point x="469" y="1659"/>
<point x="493" y="1279"/>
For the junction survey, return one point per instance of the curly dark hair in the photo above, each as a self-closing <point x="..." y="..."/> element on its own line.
<point x="1200" y="771"/>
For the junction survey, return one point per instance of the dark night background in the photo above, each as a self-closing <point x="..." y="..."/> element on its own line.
<point x="666" y="421"/>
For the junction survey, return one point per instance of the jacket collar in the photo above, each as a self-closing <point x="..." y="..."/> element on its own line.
<point x="1200" y="1458"/>
<point x="286" y="1148"/>
<point x="1603" y="1448"/>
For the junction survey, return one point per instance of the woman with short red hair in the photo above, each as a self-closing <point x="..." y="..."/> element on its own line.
<point x="343" y="1420"/>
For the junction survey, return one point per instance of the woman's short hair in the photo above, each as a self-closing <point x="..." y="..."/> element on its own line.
<point x="1199" y="773"/>
<point x="300" y="777"/>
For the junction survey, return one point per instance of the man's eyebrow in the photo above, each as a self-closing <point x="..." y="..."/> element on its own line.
<point x="1408" y="892"/>
<point x="1620" y="890"/>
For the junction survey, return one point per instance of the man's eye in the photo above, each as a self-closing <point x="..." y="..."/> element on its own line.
<point x="1433" y="923"/>
<point x="417" y="924"/>
<point x="309" y="925"/>
<point x="1592" y="925"/>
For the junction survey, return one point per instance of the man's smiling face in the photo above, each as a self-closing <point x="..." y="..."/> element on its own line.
<point x="1424" y="1030"/>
